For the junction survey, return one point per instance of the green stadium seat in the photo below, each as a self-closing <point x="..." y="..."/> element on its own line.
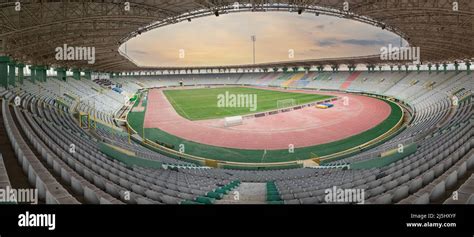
<point x="205" y="200"/>
<point x="215" y="195"/>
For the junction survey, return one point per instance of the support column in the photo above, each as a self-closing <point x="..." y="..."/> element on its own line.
<point x="11" y="73"/>
<point x="33" y="73"/>
<point x="429" y="68"/>
<point x="418" y="68"/>
<point x="391" y="68"/>
<point x="76" y="74"/>
<point x="44" y="70"/>
<point x="21" y="76"/>
<point x="61" y="74"/>
<point x="468" y="67"/>
<point x="37" y="74"/>
<point x="437" y="68"/>
<point x="88" y="74"/>
<point x="40" y="74"/>
<point x="445" y="68"/>
<point x="4" y="71"/>
<point x="456" y="67"/>
<point x="306" y="70"/>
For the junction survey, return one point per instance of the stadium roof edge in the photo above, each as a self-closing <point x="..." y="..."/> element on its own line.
<point x="442" y="33"/>
<point x="366" y="60"/>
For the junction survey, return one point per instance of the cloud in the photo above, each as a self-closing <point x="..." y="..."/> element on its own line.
<point x="136" y="51"/>
<point x="363" y="42"/>
<point x="225" y="40"/>
<point x="327" y="42"/>
<point x="320" y="27"/>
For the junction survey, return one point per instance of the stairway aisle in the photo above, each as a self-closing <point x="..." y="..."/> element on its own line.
<point x="246" y="193"/>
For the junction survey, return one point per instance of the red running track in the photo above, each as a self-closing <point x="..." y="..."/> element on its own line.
<point x="301" y="128"/>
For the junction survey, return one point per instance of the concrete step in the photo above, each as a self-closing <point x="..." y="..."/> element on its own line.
<point x="246" y="193"/>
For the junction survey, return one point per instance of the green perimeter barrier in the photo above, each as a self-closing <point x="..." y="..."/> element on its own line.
<point x="365" y="148"/>
<point x="223" y="164"/>
<point x="264" y="166"/>
<point x="129" y="160"/>
<point x="172" y="155"/>
<point x="384" y="161"/>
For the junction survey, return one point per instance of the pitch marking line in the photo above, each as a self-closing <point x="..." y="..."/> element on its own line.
<point x="174" y="104"/>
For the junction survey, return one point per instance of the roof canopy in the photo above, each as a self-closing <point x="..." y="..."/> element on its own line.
<point x="32" y="32"/>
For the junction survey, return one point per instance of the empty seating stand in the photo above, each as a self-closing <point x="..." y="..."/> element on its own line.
<point x="49" y="189"/>
<point x="436" y="189"/>
<point x="465" y="193"/>
<point x="4" y="180"/>
<point x="81" y="186"/>
<point x="42" y="129"/>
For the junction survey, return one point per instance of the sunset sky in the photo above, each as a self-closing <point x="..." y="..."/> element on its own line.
<point x="225" y="40"/>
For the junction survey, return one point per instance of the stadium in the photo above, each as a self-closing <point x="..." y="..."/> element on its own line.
<point x="107" y="130"/>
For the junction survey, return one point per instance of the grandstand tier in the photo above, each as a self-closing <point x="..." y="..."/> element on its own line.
<point x="108" y="163"/>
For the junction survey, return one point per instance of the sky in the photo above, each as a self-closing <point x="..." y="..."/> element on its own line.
<point x="281" y="36"/>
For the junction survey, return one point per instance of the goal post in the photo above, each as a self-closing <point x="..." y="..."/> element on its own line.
<point x="281" y="104"/>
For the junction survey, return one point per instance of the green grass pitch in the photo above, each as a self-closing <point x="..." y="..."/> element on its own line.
<point x="203" y="103"/>
<point x="136" y="119"/>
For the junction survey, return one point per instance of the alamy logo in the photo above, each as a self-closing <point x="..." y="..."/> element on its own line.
<point x="37" y="220"/>
<point x="228" y="100"/>
<point x="339" y="195"/>
<point x="75" y="53"/>
<point x="400" y="53"/>
<point x="10" y="195"/>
